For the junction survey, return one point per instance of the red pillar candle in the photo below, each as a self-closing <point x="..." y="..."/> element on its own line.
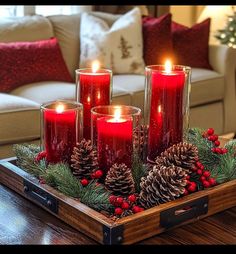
<point x="61" y="128"/>
<point x="168" y="94"/>
<point x="114" y="137"/>
<point x="93" y="89"/>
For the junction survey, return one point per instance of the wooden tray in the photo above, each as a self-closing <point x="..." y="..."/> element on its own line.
<point x="127" y="230"/>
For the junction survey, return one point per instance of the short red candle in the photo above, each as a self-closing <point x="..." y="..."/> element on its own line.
<point x="114" y="141"/>
<point x="61" y="128"/>
<point x="166" y="112"/>
<point x="93" y="89"/>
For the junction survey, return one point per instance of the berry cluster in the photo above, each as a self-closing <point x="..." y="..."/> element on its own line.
<point x="204" y="176"/>
<point x="122" y="204"/>
<point x="40" y="156"/>
<point x="209" y="134"/>
<point x="95" y="175"/>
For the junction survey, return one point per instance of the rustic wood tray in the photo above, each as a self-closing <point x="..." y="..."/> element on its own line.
<point x="127" y="230"/>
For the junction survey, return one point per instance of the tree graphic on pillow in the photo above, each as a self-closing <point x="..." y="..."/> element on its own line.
<point x="124" y="47"/>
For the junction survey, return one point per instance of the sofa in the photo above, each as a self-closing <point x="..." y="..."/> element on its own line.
<point x="212" y="99"/>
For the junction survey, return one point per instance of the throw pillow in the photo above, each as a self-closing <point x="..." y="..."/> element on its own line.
<point x="27" y="62"/>
<point x="119" y="47"/>
<point x="157" y="40"/>
<point x="191" y="44"/>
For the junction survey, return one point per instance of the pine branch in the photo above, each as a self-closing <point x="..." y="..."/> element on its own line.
<point x="25" y="154"/>
<point x="209" y="159"/>
<point x="139" y="170"/>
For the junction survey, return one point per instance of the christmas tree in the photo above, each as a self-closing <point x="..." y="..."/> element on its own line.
<point x="228" y="35"/>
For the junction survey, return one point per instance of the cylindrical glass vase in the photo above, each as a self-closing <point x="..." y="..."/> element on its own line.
<point x="93" y="88"/>
<point x="61" y="129"/>
<point x="166" y="109"/>
<point x="115" y="134"/>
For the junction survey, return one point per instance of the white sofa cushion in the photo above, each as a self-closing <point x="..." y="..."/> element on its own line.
<point x="207" y="86"/>
<point x="28" y="28"/>
<point x="119" y="47"/>
<point x="19" y="119"/>
<point x="67" y="31"/>
<point x="42" y="92"/>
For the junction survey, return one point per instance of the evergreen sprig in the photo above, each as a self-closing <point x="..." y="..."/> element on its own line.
<point x="221" y="166"/>
<point x="60" y="177"/>
<point x="139" y="170"/>
<point x="206" y="156"/>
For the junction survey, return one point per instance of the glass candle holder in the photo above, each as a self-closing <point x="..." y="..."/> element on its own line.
<point x="166" y="109"/>
<point x="61" y="129"/>
<point x="93" y="88"/>
<point x="115" y="133"/>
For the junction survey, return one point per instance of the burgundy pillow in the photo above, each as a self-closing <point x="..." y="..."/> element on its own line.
<point x="191" y="44"/>
<point x="157" y="40"/>
<point x="27" y="62"/>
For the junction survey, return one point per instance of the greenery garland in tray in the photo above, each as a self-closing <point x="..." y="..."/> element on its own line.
<point x="190" y="166"/>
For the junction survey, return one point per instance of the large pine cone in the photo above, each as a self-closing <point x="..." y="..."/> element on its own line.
<point x="119" y="180"/>
<point x="183" y="155"/>
<point x="84" y="159"/>
<point x="162" y="184"/>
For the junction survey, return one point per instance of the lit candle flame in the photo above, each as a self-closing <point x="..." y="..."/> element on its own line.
<point x="117" y="114"/>
<point x="95" y="66"/>
<point x="60" y="108"/>
<point x="159" y="109"/>
<point x="99" y="96"/>
<point x="88" y="99"/>
<point x="168" y="66"/>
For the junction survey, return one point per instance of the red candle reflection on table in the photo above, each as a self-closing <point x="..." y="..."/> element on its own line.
<point x="60" y="134"/>
<point x="166" y="116"/>
<point x="114" y="140"/>
<point x="94" y="90"/>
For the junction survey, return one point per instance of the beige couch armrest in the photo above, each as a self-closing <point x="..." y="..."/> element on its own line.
<point x="223" y="60"/>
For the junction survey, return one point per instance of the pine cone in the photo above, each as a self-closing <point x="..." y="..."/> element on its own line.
<point x="183" y="155"/>
<point x="119" y="180"/>
<point x="84" y="159"/>
<point x="162" y="184"/>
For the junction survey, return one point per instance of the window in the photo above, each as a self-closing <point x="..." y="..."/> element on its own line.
<point x="45" y="10"/>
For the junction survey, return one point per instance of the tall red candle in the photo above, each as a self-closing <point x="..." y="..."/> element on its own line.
<point x="61" y="130"/>
<point x="166" y="109"/>
<point x="114" y="140"/>
<point x="93" y="89"/>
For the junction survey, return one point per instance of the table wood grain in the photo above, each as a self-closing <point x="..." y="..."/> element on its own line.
<point x="22" y="222"/>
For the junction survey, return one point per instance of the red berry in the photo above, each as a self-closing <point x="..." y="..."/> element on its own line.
<point x="217" y="143"/>
<point x="217" y="150"/>
<point x="125" y="205"/>
<point x="192" y="188"/>
<point x="213" y="149"/>
<point x="193" y="184"/>
<point x="199" y="172"/>
<point x="210" y="138"/>
<point x="118" y="211"/>
<point x="112" y="199"/>
<point x="206" y="184"/>
<point x="202" y="167"/>
<point x="188" y="182"/>
<point x="41" y="156"/>
<point x="203" y="178"/>
<point x="210" y="131"/>
<point x="194" y="168"/>
<point x="212" y="181"/>
<point x="185" y="192"/>
<point x="132" y="198"/>
<point x="199" y="164"/>
<point x="188" y="177"/>
<point x="136" y="209"/>
<point x="119" y="200"/>
<point x="93" y="175"/>
<point x="214" y="137"/>
<point x="98" y="173"/>
<point x="84" y="182"/>
<point x="206" y="173"/>
<point x="224" y="150"/>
